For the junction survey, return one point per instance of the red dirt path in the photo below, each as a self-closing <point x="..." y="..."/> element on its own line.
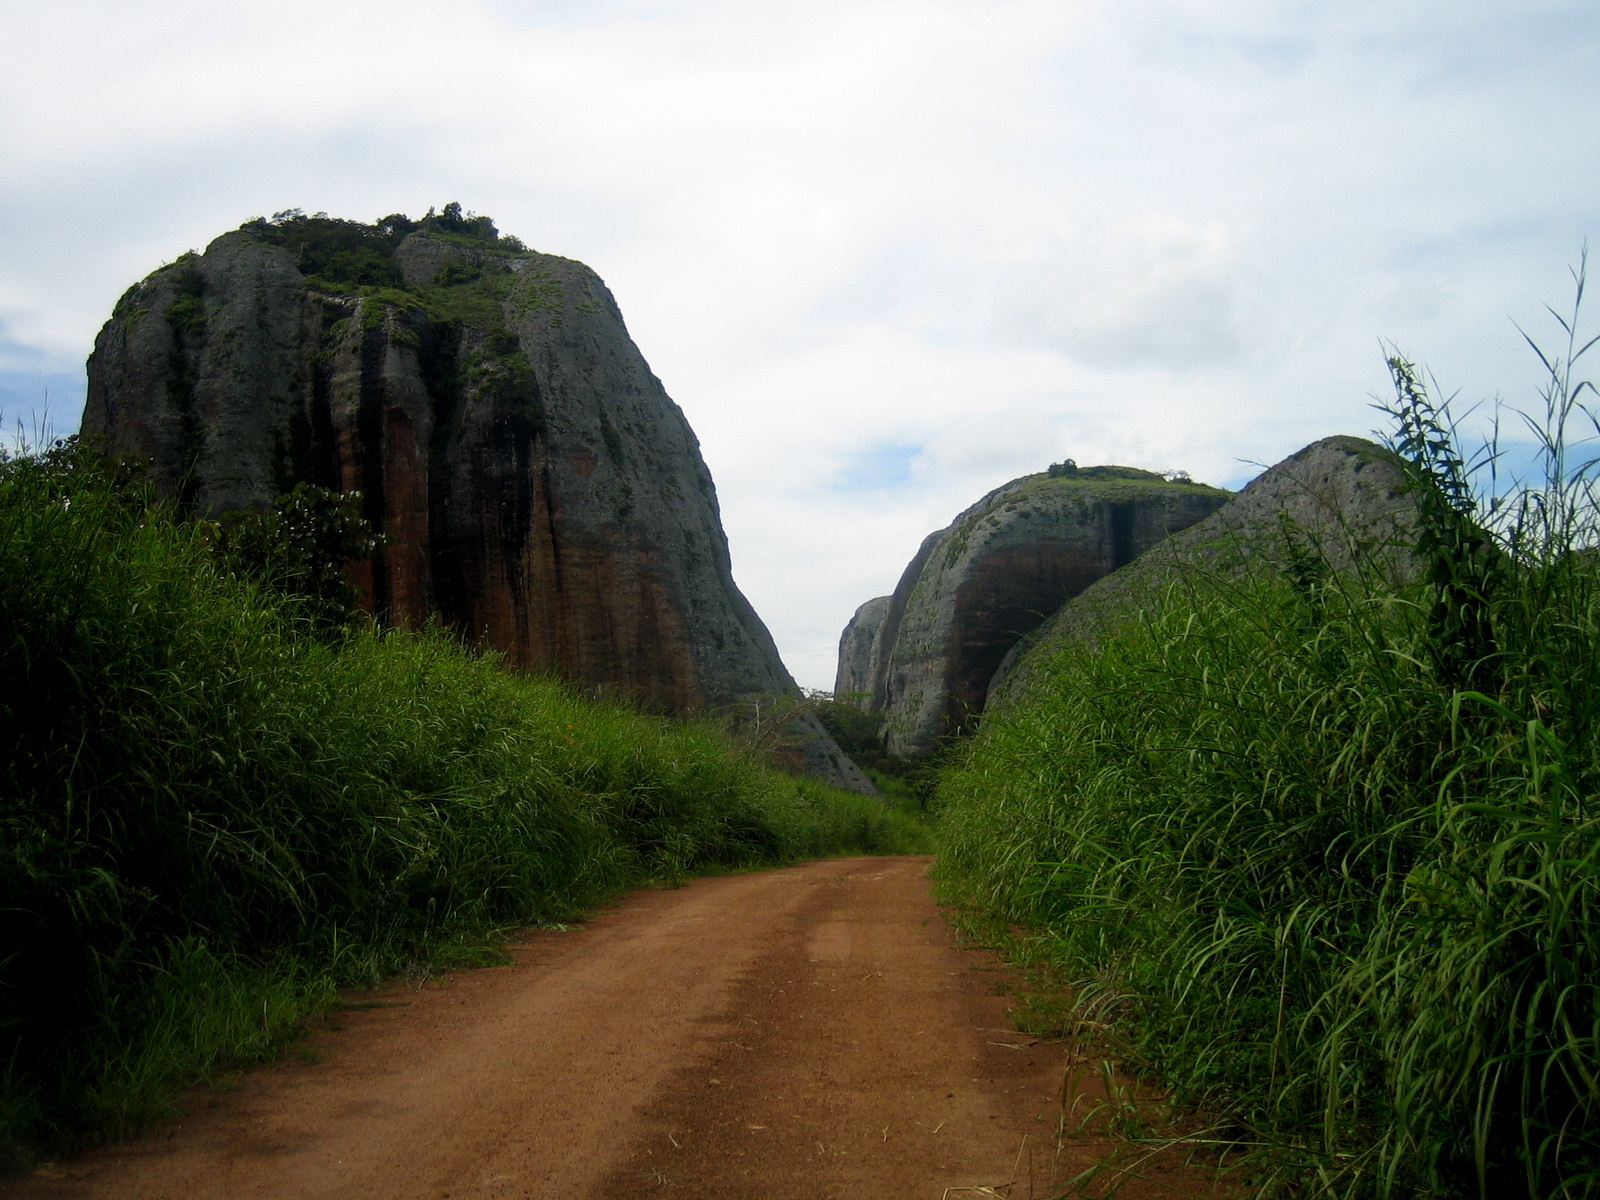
<point x="807" y="1032"/>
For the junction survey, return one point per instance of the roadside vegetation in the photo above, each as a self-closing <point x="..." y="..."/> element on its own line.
<point x="908" y="784"/>
<point x="223" y="796"/>
<point x="1319" y="852"/>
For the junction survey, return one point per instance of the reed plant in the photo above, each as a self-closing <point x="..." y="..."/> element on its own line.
<point x="213" y="812"/>
<point x="1319" y="850"/>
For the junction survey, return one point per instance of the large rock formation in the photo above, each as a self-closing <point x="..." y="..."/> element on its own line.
<point x="924" y="656"/>
<point x="860" y="649"/>
<point x="1338" y="499"/>
<point x="538" y="488"/>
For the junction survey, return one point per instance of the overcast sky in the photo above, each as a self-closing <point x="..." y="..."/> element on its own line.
<point x="887" y="254"/>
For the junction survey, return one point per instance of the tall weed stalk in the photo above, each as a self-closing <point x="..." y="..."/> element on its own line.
<point x="1320" y="850"/>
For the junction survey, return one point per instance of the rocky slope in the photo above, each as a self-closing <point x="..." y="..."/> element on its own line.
<point x="538" y="488"/>
<point x="924" y="656"/>
<point x="1338" y="497"/>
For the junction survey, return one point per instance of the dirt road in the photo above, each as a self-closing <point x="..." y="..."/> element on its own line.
<point x="808" y="1032"/>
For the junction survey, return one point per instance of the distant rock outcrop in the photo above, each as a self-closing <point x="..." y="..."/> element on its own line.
<point x="924" y="657"/>
<point x="1339" y="497"/>
<point x="859" y="649"/>
<point x="539" y="490"/>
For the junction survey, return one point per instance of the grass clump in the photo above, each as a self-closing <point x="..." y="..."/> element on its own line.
<point x="216" y="807"/>
<point x="1321" y="850"/>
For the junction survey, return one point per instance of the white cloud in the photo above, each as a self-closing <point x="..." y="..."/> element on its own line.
<point x="958" y="237"/>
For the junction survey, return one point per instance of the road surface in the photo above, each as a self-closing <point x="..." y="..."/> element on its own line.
<point x="811" y="1032"/>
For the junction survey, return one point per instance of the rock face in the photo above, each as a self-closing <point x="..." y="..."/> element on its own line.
<point x="859" y="648"/>
<point x="925" y="655"/>
<point x="1338" y="497"/>
<point x="539" y="490"/>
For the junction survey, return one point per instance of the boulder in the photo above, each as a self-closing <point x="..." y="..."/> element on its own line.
<point x="1341" y="498"/>
<point x="976" y="588"/>
<point x="539" y="490"/>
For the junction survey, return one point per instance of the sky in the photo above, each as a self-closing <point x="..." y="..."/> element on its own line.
<point x="886" y="254"/>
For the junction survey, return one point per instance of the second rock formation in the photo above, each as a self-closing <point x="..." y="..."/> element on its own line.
<point x="924" y="656"/>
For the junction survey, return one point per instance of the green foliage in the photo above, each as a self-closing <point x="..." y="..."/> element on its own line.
<point x="378" y="303"/>
<point x="1321" y="852"/>
<point x="539" y="291"/>
<point x="352" y="253"/>
<point x="335" y="250"/>
<point x="210" y="816"/>
<point x="1464" y="567"/>
<point x="1071" y="470"/>
<point x="452" y="274"/>
<point x="71" y="464"/>
<point x="351" y="259"/>
<point x="858" y="732"/>
<point x="909" y="785"/>
<point x="501" y="343"/>
<point x="505" y="380"/>
<point x="454" y="224"/>
<point x="465" y="225"/>
<point x="1089" y="485"/>
<point x="187" y="312"/>
<point x="472" y="298"/>
<point x="363" y="266"/>
<point x="300" y="547"/>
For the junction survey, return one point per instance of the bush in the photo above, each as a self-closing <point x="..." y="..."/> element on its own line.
<point x="909" y="784"/>
<point x="354" y="254"/>
<point x="300" y="547"/>
<point x="211" y="815"/>
<point x="1324" y="851"/>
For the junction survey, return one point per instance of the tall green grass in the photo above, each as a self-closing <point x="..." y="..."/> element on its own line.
<point x="212" y="812"/>
<point x="1321" y="851"/>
